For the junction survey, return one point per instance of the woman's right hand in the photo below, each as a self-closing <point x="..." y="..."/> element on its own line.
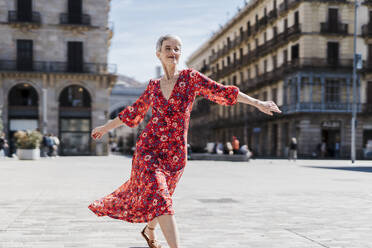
<point x="98" y="132"/>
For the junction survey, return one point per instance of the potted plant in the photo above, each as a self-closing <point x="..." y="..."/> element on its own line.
<point x="28" y="144"/>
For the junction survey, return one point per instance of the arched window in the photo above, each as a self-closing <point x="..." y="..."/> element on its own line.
<point x="23" y="95"/>
<point x="75" y="96"/>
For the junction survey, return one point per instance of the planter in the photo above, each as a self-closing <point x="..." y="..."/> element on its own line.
<point x="28" y="154"/>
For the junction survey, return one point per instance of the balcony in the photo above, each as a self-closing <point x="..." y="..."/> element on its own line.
<point x="286" y="5"/>
<point x="334" y="28"/>
<point x="17" y="17"/>
<point x="272" y="14"/>
<point x="367" y="30"/>
<point x="326" y="107"/>
<point x="73" y="19"/>
<point x="204" y="69"/>
<point x="56" y="67"/>
<point x="295" y="65"/>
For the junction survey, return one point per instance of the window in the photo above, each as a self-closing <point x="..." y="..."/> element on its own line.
<point x="369" y="92"/>
<point x="75" y="96"/>
<point x="264" y="95"/>
<point x="265" y="37"/>
<point x="275" y="31"/>
<point x="75" y="11"/>
<point x="332" y="91"/>
<point x="296" y="18"/>
<point x="285" y="25"/>
<point x="275" y="61"/>
<point x="228" y="60"/>
<point x="24" y="55"/>
<point x="249" y="73"/>
<point x="295" y="52"/>
<point x="256" y="24"/>
<point x="24" y="10"/>
<point x="234" y="56"/>
<point x="75" y="56"/>
<point x="257" y="71"/>
<point x="332" y="53"/>
<point x="274" y="4"/>
<point x="274" y="94"/>
<point x="241" y="53"/>
<point x="369" y="56"/>
<point x="285" y="56"/>
<point x="249" y="28"/>
<point x="265" y="65"/>
<point x="23" y="95"/>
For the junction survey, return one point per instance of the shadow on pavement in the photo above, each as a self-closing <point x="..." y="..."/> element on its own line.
<point x="349" y="168"/>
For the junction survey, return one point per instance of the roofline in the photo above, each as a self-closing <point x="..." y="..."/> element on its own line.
<point x="223" y="30"/>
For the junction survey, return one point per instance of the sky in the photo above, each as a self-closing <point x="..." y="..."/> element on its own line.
<point x="139" y="23"/>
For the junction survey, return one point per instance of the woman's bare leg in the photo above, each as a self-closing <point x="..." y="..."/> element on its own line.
<point x="151" y="233"/>
<point x="169" y="228"/>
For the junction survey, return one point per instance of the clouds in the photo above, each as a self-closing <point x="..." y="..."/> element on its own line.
<point x="138" y="24"/>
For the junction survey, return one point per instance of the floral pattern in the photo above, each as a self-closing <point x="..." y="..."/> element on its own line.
<point x="161" y="151"/>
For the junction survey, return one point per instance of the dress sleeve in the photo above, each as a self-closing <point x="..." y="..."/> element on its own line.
<point x="213" y="91"/>
<point x="134" y="114"/>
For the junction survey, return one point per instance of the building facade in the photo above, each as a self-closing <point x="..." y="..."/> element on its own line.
<point x="125" y="92"/>
<point x="54" y="74"/>
<point x="298" y="53"/>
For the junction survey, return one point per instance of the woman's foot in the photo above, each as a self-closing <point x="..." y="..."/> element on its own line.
<point x="149" y="234"/>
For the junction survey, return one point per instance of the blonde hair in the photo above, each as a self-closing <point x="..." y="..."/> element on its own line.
<point x="163" y="38"/>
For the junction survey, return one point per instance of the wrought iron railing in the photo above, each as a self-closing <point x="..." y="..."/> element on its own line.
<point x="17" y="17"/>
<point x="344" y="107"/>
<point x="75" y="19"/>
<point x="57" y="67"/>
<point x="334" y="28"/>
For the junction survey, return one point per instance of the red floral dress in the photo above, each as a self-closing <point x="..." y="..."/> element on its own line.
<point x="161" y="151"/>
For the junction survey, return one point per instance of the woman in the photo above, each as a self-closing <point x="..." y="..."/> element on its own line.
<point x="160" y="155"/>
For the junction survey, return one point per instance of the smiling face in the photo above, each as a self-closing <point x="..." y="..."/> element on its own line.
<point x="170" y="52"/>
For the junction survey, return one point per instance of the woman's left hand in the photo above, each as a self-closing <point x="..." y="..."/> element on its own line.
<point x="268" y="107"/>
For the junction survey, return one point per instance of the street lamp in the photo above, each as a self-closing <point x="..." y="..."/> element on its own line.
<point x="356" y="65"/>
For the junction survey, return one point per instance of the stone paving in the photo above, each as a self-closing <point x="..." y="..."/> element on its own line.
<point x="258" y="204"/>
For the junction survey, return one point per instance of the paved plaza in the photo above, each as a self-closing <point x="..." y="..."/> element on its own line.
<point x="258" y="204"/>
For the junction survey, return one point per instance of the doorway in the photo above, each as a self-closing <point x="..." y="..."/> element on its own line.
<point x="331" y="137"/>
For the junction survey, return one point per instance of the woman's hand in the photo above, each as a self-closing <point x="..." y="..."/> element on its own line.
<point x="268" y="107"/>
<point x="98" y="132"/>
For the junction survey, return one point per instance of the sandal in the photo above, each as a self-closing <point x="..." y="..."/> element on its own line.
<point x="151" y="242"/>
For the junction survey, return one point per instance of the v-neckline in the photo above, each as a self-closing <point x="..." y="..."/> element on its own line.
<point x="174" y="86"/>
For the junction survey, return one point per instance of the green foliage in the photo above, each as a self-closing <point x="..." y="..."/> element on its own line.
<point x="28" y="140"/>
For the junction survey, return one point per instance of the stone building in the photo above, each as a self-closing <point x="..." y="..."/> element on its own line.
<point x="125" y="92"/>
<point x="298" y="53"/>
<point x="54" y="74"/>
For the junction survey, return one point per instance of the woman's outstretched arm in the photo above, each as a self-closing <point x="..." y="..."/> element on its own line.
<point x="98" y="132"/>
<point x="266" y="107"/>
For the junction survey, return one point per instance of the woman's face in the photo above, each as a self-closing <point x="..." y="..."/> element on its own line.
<point x="170" y="52"/>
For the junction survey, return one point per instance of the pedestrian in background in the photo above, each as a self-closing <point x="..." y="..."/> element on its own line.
<point x="293" y="149"/>
<point x="55" y="145"/>
<point x="235" y="145"/>
<point x="3" y="145"/>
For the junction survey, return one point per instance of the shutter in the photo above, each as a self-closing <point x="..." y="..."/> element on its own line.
<point x="75" y="56"/>
<point x="24" y="10"/>
<point x="24" y="55"/>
